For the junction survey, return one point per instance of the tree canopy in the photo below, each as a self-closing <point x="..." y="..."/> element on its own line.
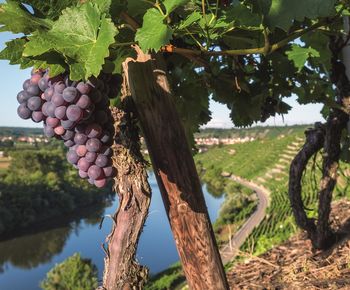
<point x="249" y="55"/>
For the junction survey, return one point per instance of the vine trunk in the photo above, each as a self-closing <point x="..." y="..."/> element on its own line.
<point x="134" y="192"/>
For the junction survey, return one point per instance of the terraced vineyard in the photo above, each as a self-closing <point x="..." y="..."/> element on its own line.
<point x="266" y="162"/>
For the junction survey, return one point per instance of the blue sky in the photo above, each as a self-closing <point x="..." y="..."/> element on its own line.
<point x="11" y="79"/>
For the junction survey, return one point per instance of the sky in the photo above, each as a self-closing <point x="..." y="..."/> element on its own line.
<point x="12" y="78"/>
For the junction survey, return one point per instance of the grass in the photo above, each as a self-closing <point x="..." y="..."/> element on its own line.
<point x="170" y="278"/>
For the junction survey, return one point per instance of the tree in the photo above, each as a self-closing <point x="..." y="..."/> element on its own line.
<point x="248" y="54"/>
<point x="73" y="273"/>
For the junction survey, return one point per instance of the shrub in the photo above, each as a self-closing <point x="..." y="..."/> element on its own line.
<point x="74" y="273"/>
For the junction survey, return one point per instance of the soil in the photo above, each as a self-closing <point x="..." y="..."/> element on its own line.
<point x="294" y="265"/>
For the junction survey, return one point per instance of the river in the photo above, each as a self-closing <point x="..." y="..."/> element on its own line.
<point x="24" y="261"/>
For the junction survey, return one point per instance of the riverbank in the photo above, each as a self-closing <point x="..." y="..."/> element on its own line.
<point x="90" y="211"/>
<point x="38" y="186"/>
<point x="25" y="260"/>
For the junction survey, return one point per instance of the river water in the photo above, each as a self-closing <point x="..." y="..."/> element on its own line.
<point x="24" y="261"/>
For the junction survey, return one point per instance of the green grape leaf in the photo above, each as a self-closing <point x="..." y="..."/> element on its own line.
<point x="241" y="16"/>
<point x="51" y="60"/>
<point x="50" y="8"/>
<point x="299" y="55"/>
<point x="39" y="43"/>
<point x="103" y="5"/>
<point x="119" y="56"/>
<point x="76" y="70"/>
<point x="320" y="42"/>
<point x="246" y="110"/>
<point x="192" y="18"/>
<point x="191" y="95"/>
<point x="16" y="18"/>
<point x="171" y="5"/>
<point x="13" y="50"/>
<point x="137" y="7"/>
<point x="82" y="34"/>
<point x="281" y="13"/>
<point x="154" y="33"/>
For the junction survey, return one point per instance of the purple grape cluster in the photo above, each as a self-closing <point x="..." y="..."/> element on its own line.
<point x="77" y="113"/>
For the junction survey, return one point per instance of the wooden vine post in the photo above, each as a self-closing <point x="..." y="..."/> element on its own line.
<point x="175" y="172"/>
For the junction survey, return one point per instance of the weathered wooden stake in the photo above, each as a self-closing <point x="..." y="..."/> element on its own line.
<point x="176" y="173"/>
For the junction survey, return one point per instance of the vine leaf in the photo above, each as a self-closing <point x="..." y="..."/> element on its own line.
<point x="50" y="8"/>
<point x="281" y="13"/>
<point x="192" y="18"/>
<point x="299" y="55"/>
<point x="320" y="42"/>
<point x="16" y="18"/>
<point x="242" y="16"/>
<point x="14" y="51"/>
<point x="137" y="7"/>
<point x="82" y="34"/>
<point x="154" y="33"/>
<point x="171" y="5"/>
<point x="103" y="5"/>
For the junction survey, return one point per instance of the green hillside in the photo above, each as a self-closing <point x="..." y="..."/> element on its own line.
<point x="257" y="132"/>
<point x="266" y="162"/>
<point x="20" y="132"/>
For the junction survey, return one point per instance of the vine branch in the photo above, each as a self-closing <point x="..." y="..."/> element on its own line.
<point x="247" y="51"/>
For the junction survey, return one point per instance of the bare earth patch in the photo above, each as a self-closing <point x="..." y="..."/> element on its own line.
<point x="293" y="265"/>
<point x="4" y="162"/>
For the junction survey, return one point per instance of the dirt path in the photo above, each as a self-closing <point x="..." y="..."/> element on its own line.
<point x="229" y="251"/>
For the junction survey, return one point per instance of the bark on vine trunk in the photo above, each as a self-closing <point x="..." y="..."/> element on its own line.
<point x="314" y="143"/>
<point x="334" y="127"/>
<point x="320" y="232"/>
<point x="134" y="192"/>
<point x="176" y="174"/>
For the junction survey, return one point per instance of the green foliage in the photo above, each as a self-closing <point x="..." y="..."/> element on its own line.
<point x="51" y="9"/>
<point x="16" y="18"/>
<point x="39" y="185"/>
<point x="88" y="37"/>
<point x="153" y="24"/>
<point x="82" y="34"/>
<point x="167" y="279"/>
<point x="282" y="13"/>
<point x="243" y="53"/>
<point x="73" y="273"/>
<point x="13" y="51"/>
<point x="299" y="55"/>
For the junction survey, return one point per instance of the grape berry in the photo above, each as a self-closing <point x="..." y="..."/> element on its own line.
<point x="78" y="114"/>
